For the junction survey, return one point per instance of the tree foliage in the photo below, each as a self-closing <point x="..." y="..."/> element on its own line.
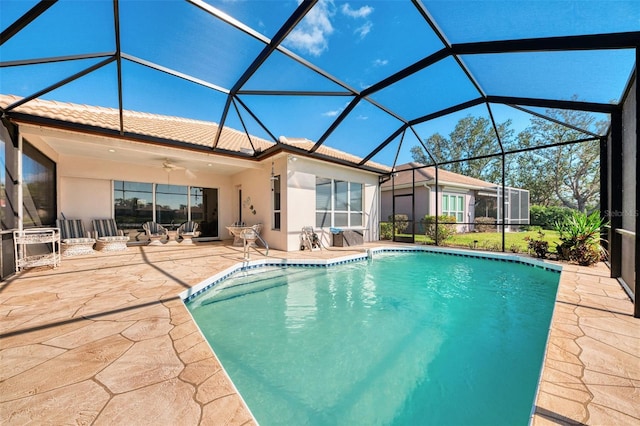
<point x="562" y="175"/>
<point x="472" y="137"/>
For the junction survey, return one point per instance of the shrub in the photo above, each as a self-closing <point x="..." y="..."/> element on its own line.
<point x="580" y="236"/>
<point x="485" y="224"/>
<point x="491" y="245"/>
<point x="386" y="230"/>
<point x="538" y="246"/>
<point x="547" y="217"/>
<point x="401" y="222"/>
<point x="446" y="227"/>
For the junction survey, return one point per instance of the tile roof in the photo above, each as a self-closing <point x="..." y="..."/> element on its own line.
<point x="196" y="132"/>
<point x="428" y="174"/>
<point x="306" y="144"/>
<point x="178" y="129"/>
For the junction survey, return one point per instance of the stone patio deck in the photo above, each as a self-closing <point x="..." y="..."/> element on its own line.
<point x="105" y="339"/>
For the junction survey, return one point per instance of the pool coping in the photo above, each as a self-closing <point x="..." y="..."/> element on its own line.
<point x="205" y="285"/>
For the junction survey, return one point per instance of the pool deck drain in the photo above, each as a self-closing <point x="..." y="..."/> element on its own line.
<point x="104" y="339"/>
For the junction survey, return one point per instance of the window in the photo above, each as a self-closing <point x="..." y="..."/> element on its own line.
<point x="38" y="188"/>
<point x="276" y="202"/>
<point x="171" y="204"/>
<point x="137" y="202"/>
<point x="133" y="203"/>
<point x="338" y="203"/>
<point x="196" y="200"/>
<point x="453" y="205"/>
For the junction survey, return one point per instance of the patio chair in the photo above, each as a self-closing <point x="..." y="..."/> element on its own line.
<point x="155" y="232"/>
<point x="108" y="236"/>
<point x="75" y="241"/>
<point x="188" y="230"/>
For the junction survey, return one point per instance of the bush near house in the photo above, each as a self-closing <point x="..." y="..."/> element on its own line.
<point x="446" y="227"/>
<point x="538" y="245"/>
<point x="386" y="230"/>
<point x="547" y="217"/>
<point x="485" y="224"/>
<point x="401" y="222"/>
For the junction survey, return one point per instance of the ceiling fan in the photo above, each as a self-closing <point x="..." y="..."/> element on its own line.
<point x="169" y="166"/>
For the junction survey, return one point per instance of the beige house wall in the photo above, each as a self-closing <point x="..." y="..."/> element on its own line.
<point x="301" y="198"/>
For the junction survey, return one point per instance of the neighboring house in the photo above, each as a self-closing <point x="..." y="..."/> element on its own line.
<point x="414" y="194"/>
<point x="74" y="160"/>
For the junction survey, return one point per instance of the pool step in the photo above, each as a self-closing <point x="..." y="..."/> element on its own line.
<point x="251" y="282"/>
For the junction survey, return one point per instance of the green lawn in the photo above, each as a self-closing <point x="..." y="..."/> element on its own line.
<point x="493" y="240"/>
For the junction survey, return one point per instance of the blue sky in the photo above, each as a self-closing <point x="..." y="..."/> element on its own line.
<point x="357" y="42"/>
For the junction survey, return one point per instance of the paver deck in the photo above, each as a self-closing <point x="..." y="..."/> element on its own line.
<point x="105" y="339"/>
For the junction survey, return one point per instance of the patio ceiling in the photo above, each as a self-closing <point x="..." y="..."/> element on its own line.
<point x="371" y="78"/>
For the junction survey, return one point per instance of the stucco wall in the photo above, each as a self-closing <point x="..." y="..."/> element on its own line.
<point x="301" y="198"/>
<point x="256" y="192"/>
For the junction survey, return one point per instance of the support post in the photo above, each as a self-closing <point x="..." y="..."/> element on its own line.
<point x="614" y="158"/>
<point x="636" y="305"/>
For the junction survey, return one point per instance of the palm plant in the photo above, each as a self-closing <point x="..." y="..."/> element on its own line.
<point x="580" y="236"/>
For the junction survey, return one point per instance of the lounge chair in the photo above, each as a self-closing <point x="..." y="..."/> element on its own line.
<point x="155" y="232"/>
<point x="75" y="241"/>
<point x="188" y="230"/>
<point x="108" y="236"/>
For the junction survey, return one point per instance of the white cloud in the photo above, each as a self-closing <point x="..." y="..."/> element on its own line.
<point x="363" y="30"/>
<point x="380" y="62"/>
<point x="312" y="33"/>
<point x="335" y="113"/>
<point x="362" y="117"/>
<point x="363" y="12"/>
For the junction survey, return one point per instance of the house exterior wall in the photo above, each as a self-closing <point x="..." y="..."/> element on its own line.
<point x="300" y="202"/>
<point x="422" y="201"/>
<point x="425" y="203"/>
<point x="469" y="202"/>
<point x="256" y="192"/>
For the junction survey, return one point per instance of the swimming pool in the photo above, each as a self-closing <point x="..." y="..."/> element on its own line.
<point x="406" y="339"/>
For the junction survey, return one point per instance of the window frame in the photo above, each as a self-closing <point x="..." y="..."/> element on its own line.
<point x="337" y="196"/>
<point x="448" y="211"/>
<point x="276" y="204"/>
<point x="44" y="201"/>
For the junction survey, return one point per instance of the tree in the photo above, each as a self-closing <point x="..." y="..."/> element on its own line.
<point x="563" y="175"/>
<point x="472" y="137"/>
<point x="566" y="175"/>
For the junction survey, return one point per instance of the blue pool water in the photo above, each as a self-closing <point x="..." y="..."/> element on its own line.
<point x="406" y="339"/>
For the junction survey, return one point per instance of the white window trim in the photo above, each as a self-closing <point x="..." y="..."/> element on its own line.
<point x="455" y="212"/>
<point x="348" y="212"/>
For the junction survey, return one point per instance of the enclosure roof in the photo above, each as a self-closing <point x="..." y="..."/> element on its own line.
<point x="372" y="79"/>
